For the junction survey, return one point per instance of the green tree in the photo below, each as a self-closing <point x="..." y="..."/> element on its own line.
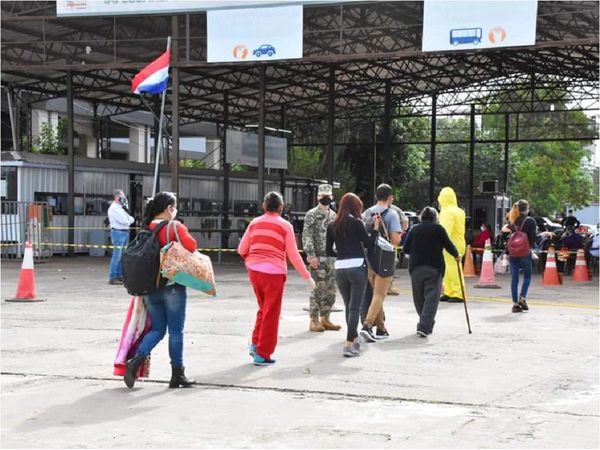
<point x="51" y="140"/>
<point x="550" y="174"/>
<point x="306" y="162"/>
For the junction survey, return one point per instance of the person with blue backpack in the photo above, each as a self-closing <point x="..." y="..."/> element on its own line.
<point x="166" y="303"/>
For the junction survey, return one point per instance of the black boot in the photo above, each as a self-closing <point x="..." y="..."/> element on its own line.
<point x="132" y="367"/>
<point x="178" y="378"/>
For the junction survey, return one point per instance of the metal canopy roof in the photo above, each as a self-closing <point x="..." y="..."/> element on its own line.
<point x="369" y="46"/>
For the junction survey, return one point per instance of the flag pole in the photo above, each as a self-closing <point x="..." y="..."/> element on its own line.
<point x="160" y="129"/>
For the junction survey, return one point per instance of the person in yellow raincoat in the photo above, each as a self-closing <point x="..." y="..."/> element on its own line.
<point x="452" y="218"/>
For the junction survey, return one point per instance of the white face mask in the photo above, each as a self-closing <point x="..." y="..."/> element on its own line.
<point x="482" y="228"/>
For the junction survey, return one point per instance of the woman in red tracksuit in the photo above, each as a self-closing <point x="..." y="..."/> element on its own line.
<point x="264" y="247"/>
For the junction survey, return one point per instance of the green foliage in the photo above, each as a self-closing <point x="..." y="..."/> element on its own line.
<point x="305" y="162"/>
<point x="192" y="164"/>
<point x="548" y="174"/>
<point x="52" y="140"/>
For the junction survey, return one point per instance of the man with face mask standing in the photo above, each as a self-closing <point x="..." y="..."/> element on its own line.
<point x="120" y="220"/>
<point x="321" y="267"/>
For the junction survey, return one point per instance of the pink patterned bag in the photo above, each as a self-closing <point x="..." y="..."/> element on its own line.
<point x="193" y="270"/>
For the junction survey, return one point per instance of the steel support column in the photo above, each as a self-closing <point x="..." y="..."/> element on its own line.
<point x="387" y="132"/>
<point x="283" y="126"/>
<point x="156" y="105"/>
<point x="472" y="169"/>
<point x="331" y="126"/>
<point x="261" y="134"/>
<point x="506" y="150"/>
<point x="225" y="207"/>
<point x="97" y="126"/>
<point x="432" y="149"/>
<point x="71" y="166"/>
<point x="175" y="107"/>
<point x="14" y="121"/>
<point x="374" y="149"/>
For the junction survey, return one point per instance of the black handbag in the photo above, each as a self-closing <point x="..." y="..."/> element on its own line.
<point x="382" y="256"/>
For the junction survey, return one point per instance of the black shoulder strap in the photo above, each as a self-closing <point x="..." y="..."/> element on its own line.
<point x="382" y="224"/>
<point x="159" y="227"/>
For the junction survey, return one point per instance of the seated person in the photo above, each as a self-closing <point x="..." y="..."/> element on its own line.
<point x="479" y="240"/>
<point x="478" y="243"/>
<point x="573" y="241"/>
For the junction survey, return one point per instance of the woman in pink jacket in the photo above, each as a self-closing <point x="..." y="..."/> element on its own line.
<point x="264" y="247"/>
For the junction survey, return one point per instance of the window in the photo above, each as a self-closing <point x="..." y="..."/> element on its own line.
<point x="86" y="205"/>
<point x="8" y="184"/>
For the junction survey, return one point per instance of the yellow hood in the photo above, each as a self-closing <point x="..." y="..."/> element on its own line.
<point x="447" y="198"/>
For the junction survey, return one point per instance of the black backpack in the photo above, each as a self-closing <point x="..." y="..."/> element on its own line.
<point x="141" y="262"/>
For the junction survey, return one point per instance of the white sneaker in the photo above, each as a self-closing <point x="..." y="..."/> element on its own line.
<point x="350" y="351"/>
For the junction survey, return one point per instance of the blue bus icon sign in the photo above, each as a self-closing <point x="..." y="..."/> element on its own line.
<point x="465" y="36"/>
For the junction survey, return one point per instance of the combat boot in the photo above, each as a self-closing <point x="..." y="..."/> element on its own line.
<point x="325" y="323"/>
<point x="316" y="326"/>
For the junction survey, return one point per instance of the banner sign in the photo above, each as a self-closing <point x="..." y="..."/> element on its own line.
<point x="78" y="8"/>
<point x="254" y="34"/>
<point x="66" y="8"/>
<point x="468" y="25"/>
<point x="242" y="148"/>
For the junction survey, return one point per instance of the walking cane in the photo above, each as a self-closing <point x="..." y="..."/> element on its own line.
<point x="462" y="288"/>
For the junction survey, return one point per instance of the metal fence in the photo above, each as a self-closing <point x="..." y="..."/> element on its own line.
<point x="24" y="221"/>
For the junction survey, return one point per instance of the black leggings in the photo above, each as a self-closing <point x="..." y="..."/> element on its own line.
<point x="352" y="284"/>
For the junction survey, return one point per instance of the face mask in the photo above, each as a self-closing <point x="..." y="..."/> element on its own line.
<point x="325" y="201"/>
<point x="482" y="228"/>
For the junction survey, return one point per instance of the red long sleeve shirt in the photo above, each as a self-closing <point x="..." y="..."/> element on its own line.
<point x="185" y="237"/>
<point x="267" y="242"/>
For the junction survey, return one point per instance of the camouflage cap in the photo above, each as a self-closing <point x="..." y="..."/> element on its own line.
<point x="325" y="189"/>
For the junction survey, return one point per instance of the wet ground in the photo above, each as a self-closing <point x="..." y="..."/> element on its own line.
<point x="520" y="380"/>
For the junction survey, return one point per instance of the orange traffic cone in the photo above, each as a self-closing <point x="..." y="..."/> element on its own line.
<point x="26" y="287"/>
<point x="469" y="267"/>
<point x="487" y="278"/>
<point x="550" y="273"/>
<point x="581" y="271"/>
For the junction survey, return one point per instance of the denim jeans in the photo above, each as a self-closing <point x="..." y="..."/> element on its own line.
<point x="166" y="308"/>
<point x="118" y="238"/>
<point x="352" y="284"/>
<point x="523" y="263"/>
<point x="426" y="288"/>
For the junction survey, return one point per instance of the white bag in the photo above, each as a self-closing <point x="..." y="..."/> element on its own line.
<point x="499" y="266"/>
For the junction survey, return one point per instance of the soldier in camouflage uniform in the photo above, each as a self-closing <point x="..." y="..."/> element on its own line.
<point x="321" y="266"/>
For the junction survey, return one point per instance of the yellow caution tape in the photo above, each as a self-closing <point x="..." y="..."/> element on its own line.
<point x="36" y="244"/>
<point x="81" y="228"/>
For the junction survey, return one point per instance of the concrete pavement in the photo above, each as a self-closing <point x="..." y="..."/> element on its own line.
<point x="520" y="380"/>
